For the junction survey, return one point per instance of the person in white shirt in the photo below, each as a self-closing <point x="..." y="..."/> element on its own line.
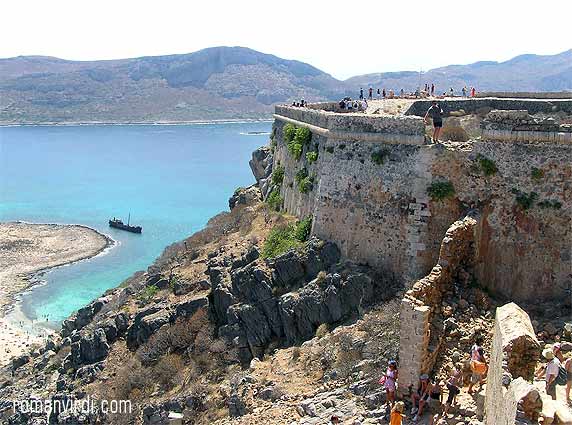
<point x="552" y="369"/>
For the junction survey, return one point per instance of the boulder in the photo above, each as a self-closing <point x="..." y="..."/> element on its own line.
<point x="244" y="196"/>
<point x="89" y="348"/>
<point x="146" y="325"/>
<point x="236" y="406"/>
<point x="261" y="163"/>
<point x="187" y="308"/>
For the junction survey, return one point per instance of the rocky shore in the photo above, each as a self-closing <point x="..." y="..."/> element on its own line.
<point x="28" y="249"/>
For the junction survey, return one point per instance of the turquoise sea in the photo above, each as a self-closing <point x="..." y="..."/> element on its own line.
<point x="171" y="179"/>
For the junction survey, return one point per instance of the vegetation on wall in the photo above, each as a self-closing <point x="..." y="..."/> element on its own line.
<point x="537" y="173"/>
<point x="379" y="156"/>
<point x="296" y="138"/>
<point x="488" y="166"/>
<point x="278" y="175"/>
<point x="283" y="238"/>
<point x="441" y="190"/>
<point x="550" y="203"/>
<point x="525" y="200"/>
<point x="312" y="156"/>
<point x="274" y="200"/>
<point x="304" y="181"/>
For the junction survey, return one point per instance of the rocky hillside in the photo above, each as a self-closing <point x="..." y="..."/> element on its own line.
<point x="530" y="73"/>
<point x="225" y="83"/>
<point x="214" y="83"/>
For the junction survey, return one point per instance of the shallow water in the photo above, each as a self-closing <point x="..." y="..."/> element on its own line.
<point x="171" y="179"/>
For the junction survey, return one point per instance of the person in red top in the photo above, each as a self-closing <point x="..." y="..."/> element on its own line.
<point x="473" y="92"/>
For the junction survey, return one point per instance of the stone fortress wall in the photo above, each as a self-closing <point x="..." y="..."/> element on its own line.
<point x="370" y="192"/>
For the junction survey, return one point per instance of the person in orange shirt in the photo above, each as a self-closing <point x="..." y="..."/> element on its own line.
<point x="397" y="413"/>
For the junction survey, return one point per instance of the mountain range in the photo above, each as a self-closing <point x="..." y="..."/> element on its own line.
<point x="226" y="83"/>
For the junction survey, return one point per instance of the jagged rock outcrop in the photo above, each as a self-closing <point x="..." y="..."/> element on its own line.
<point x="87" y="348"/>
<point x="285" y="299"/>
<point x="83" y="316"/>
<point x="244" y="196"/>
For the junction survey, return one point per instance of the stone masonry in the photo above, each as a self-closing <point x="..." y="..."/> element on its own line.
<point x="370" y="193"/>
<point x="515" y="351"/>
<point x="419" y="345"/>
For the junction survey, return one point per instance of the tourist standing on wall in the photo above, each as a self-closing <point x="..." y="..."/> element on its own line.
<point x="478" y="364"/>
<point x="464" y="91"/>
<point x="473" y="92"/>
<point x="370" y="93"/>
<point x="378" y="93"/>
<point x="432" y="89"/>
<point x="552" y="369"/>
<point x="436" y="114"/>
<point x="389" y="382"/>
<point x="360" y="94"/>
<point x="384" y="93"/>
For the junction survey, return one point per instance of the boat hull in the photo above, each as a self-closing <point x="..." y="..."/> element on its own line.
<point x="122" y="226"/>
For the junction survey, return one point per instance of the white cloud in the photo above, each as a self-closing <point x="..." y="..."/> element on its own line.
<point x="343" y="38"/>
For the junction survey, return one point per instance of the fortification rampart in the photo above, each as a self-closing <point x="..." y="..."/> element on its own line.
<point x="474" y="105"/>
<point x="388" y="202"/>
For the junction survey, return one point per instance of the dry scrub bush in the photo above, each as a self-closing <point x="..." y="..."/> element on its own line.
<point x="131" y="377"/>
<point x="167" y="371"/>
<point x="322" y="330"/>
<point x="454" y="134"/>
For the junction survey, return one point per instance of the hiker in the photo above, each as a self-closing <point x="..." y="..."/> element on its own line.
<point x="432" y="89"/>
<point x="454" y="384"/>
<point x="567" y="365"/>
<point x="464" y="91"/>
<point x="478" y="364"/>
<point x="370" y="93"/>
<point x="420" y="397"/>
<point x="437" y="115"/>
<point x="378" y="93"/>
<point x="397" y="413"/>
<point x="552" y="369"/>
<point x="389" y="381"/>
<point x="384" y="93"/>
<point x="360" y="94"/>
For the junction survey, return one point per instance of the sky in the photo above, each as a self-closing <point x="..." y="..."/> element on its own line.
<point x="343" y="38"/>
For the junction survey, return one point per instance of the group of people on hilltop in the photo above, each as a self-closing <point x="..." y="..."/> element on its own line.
<point x="430" y="391"/>
<point x="428" y="91"/>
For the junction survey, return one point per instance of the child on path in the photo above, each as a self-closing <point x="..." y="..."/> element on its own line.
<point x="389" y="381"/>
<point x="397" y="413"/>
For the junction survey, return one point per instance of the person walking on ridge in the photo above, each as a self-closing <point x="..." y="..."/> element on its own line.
<point x="436" y="114"/>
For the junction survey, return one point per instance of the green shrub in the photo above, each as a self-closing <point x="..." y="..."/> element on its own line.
<point x="274" y="200"/>
<point x="525" y="200"/>
<point x="295" y="149"/>
<point x="237" y="190"/>
<point x="441" y="190"/>
<point x="300" y="175"/>
<point x="280" y="240"/>
<point x="278" y="175"/>
<point x="312" y="156"/>
<point x="550" y="203"/>
<point x="380" y="156"/>
<point x="303" y="229"/>
<point x="289" y="132"/>
<point x="303" y="135"/>
<point x="537" y="173"/>
<point x="148" y="293"/>
<point x="487" y="165"/>
<point x="306" y="184"/>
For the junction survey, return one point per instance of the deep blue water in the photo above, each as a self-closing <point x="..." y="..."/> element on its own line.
<point x="171" y="179"/>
